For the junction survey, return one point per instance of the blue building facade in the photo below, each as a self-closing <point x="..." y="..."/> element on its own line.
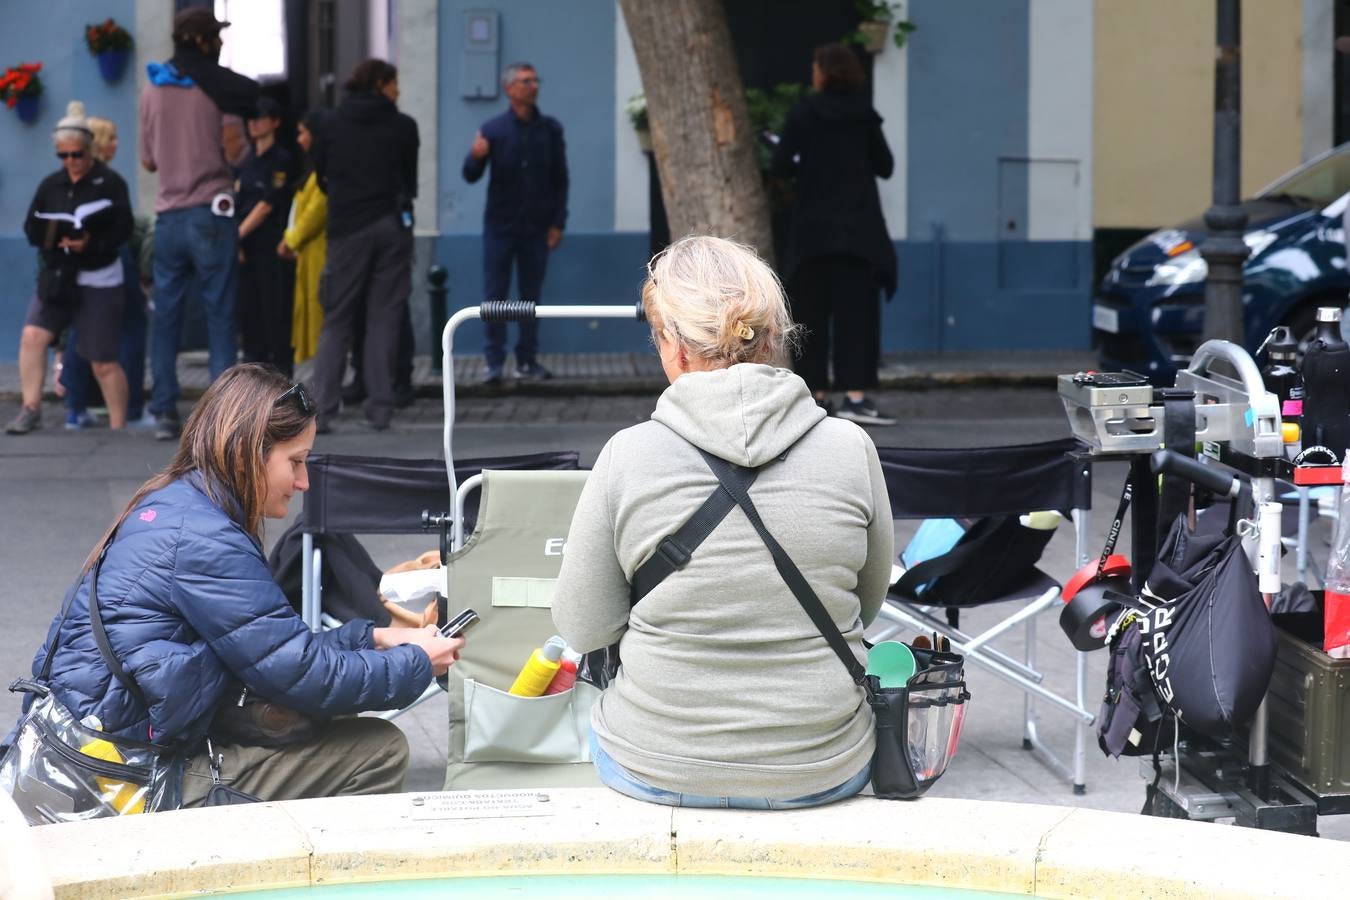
<point x="988" y="110"/>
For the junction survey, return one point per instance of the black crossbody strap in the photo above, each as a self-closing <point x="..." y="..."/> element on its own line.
<point x="960" y="556"/>
<point x="101" y="636"/>
<point x="675" y="550"/>
<point x="46" y="674"/>
<point x="737" y="486"/>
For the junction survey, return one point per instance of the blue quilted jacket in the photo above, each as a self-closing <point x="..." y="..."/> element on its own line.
<point x="190" y="607"/>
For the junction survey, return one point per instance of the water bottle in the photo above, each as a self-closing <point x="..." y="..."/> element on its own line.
<point x="1326" y="384"/>
<point x="1280" y="374"/>
<point x="566" y="676"/>
<point x="539" y="669"/>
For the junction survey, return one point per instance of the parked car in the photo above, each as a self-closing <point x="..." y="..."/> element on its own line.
<point x="1149" y="313"/>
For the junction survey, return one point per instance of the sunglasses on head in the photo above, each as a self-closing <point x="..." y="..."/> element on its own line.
<point x="297" y="391"/>
<point x="70" y="154"/>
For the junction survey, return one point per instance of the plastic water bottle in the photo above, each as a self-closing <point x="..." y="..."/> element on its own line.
<point x="1326" y="382"/>
<point x="539" y="669"/>
<point x="566" y="676"/>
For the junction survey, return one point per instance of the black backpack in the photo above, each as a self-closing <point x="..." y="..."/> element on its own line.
<point x="1133" y="716"/>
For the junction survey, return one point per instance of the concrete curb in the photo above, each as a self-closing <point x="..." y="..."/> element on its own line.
<point x="1014" y="848"/>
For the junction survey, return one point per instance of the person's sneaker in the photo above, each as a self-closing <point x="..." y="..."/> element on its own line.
<point x="167" y="427"/>
<point x="144" y="422"/>
<point x="533" y="369"/>
<point x="77" y="420"/>
<point x="492" y="375"/>
<point x="863" y="412"/>
<point x="28" y="419"/>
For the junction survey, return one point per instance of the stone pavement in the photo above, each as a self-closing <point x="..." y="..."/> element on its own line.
<point x="59" y="490"/>
<point x="617" y="373"/>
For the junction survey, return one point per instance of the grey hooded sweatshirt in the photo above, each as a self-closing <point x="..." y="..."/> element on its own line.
<point x="726" y="688"/>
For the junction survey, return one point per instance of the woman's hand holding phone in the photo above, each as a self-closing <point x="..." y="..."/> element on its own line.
<point x="443" y="651"/>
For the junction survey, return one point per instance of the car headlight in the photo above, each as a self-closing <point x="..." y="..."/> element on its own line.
<point x="1184" y="268"/>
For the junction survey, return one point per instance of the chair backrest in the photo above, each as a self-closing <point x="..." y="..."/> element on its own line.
<point x="380" y="495"/>
<point x="987" y="481"/>
<point x="506" y="571"/>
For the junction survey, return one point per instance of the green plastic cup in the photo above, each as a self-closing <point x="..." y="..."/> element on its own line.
<point x="892" y="662"/>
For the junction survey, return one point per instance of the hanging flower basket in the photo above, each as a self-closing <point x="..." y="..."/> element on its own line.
<point x="26" y="108"/>
<point x="20" y="88"/>
<point x="873" y="35"/>
<point x="110" y="44"/>
<point x="644" y="136"/>
<point x="112" y="63"/>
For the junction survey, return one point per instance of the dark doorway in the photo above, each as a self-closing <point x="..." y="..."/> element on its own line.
<point x="773" y="41"/>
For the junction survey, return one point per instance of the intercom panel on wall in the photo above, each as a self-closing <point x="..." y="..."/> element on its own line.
<point x="480" y="58"/>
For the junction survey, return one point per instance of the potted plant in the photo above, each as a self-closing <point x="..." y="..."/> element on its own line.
<point x="878" y="17"/>
<point x="636" y="109"/>
<point x="20" y="88"/>
<point x="110" y="44"/>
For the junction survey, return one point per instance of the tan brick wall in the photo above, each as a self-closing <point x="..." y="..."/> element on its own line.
<point x="1153" y="101"/>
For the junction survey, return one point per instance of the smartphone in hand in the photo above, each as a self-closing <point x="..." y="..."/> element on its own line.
<point x="459" y="624"/>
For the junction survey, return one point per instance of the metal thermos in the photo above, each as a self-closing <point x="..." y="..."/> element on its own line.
<point x="1326" y="384"/>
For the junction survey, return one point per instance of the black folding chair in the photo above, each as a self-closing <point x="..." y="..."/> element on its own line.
<point x="996" y="481"/>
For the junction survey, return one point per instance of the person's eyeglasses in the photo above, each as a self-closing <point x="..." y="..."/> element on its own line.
<point x="70" y="154"/>
<point x="297" y="391"/>
<point x="530" y="80"/>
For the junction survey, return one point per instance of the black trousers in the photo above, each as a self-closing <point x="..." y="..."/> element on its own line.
<point x="368" y="275"/>
<point x="837" y="301"/>
<point x="266" y="297"/>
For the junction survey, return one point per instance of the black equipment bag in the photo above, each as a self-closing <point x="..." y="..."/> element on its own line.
<point x="1208" y="642"/>
<point x="994" y="558"/>
<point x="350" y="578"/>
<point x="1132" y="715"/>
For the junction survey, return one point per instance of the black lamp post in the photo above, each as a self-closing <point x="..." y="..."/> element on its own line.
<point x="1224" y="250"/>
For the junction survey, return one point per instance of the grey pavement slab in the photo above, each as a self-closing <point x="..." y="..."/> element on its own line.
<point x="58" y="491"/>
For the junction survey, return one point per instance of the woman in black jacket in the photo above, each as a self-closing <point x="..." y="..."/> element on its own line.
<point x="79" y="219"/>
<point x="839" y="255"/>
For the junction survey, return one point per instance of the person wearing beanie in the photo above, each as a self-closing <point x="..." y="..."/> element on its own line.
<point x="79" y="220"/>
<point x="192" y="133"/>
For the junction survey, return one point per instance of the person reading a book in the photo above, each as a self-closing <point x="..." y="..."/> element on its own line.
<point x="79" y="219"/>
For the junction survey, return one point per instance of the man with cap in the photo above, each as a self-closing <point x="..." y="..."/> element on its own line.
<point x="191" y="130"/>
<point x="264" y="189"/>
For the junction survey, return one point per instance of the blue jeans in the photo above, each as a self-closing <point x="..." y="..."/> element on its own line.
<point x="193" y="249"/>
<point x="620" y="779"/>
<point x="529" y="253"/>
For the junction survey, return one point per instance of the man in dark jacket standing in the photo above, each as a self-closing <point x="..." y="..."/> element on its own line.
<point x="525" y="214"/>
<point x="366" y="161"/>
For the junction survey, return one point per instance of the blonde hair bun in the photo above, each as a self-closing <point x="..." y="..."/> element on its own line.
<point x="720" y="300"/>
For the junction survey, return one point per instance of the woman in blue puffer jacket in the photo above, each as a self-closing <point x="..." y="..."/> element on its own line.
<point x="191" y="613"/>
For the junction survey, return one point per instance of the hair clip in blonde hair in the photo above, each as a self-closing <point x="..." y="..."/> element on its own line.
<point x="744" y="332"/>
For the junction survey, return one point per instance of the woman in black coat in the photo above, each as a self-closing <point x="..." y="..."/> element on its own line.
<point x="839" y="255"/>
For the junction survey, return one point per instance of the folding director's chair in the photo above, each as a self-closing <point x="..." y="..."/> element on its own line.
<point x="379" y="495"/>
<point x="995" y="481"/>
<point x="505" y="571"/>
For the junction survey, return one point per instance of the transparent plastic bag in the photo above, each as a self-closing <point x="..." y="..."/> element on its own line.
<point x="1336" y="602"/>
<point x="59" y="770"/>
<point x="918" y="726"/>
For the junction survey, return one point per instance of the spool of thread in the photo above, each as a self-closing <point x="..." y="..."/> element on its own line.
<point x="539" y="669"/>
<point x="127" y="799"/>
<point x="566" y="676"/>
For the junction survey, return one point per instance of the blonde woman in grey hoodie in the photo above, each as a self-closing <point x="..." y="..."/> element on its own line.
<point x="727" y="694"/>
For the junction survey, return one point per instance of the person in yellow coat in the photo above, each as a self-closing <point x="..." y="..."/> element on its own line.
<point x="306" y="242"/>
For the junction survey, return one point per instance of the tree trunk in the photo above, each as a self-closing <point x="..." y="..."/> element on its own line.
<point x="700" y="128"/>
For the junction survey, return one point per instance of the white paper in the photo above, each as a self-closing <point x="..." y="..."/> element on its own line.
<point x="82" y="212"/>
<point x="405" y="588"/>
